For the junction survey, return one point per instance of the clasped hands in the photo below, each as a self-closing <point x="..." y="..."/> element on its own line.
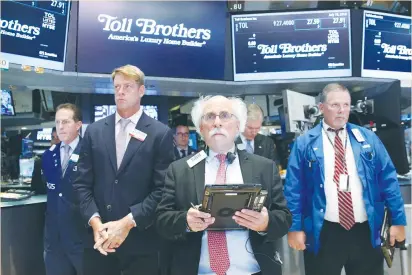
<point x="109" y="236"/>
<point x="257" y="221"/>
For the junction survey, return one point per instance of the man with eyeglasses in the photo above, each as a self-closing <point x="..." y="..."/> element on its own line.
<point x="339" y="180"/>
<point x="181" y="137"/>
<point x="63" y="243"/>
<point x="195" y="250"/>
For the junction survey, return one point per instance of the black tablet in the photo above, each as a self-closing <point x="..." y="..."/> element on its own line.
<point x="223" y="200"/>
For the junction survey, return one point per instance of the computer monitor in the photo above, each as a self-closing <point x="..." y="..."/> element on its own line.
<point x="27" y="148"/>
<point x="193" y="140"/>
<point x="7" y="103"/>
<point x="26" y="167"/>
<point x="386" y="117"/>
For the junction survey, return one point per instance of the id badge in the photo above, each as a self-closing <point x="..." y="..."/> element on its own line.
<point x="344" y="183"/>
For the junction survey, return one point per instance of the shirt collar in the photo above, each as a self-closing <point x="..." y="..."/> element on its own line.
<point x="213" y="154"/>
<point x="180" y="148"/>
<point x="326" y="126"/>
<point x="134" y="118"/>
<point x="72" y="144"/>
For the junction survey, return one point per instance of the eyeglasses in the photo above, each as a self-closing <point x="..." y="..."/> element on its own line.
<point x="223" y="116"/>
<point x="182" y="135"/>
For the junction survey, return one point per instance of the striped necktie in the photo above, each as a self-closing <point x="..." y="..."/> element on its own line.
<point x="217" y="243"/>
<point x="346" y="215"/>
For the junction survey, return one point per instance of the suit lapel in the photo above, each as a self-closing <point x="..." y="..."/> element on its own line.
<point x="258" y="150"/>
<point x="134" y="143"/>
<point x="71" y="163"/>
<point x="56" y="158"/>
<point x="246" y="167"/>
<point x="317" y="148"/>
<point x="109" y="136"/>
<point x="199" y="178"/>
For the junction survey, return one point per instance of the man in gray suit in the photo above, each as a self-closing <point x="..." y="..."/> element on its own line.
<point x="252" y="141"/>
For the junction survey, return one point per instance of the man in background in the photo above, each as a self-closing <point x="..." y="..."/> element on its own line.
<point x="254" y="142"/>
<point x="63" y="247"/>
<point x="38" y="184"/>
<point x="181" y="137"/>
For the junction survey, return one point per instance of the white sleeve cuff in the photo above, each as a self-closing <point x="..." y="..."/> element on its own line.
<point x="94" y="215"/>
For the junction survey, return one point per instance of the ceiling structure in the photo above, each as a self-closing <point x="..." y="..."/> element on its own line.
<point x="73" y="82"/>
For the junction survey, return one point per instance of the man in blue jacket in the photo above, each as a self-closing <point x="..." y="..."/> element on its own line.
<point x="339" y="179"/>
<point x="63" y="248"/>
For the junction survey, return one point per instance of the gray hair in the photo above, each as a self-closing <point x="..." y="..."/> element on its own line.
<point x="254" y="112"/>
<point x="332" y="87"/>
<point x="238" y="106"/>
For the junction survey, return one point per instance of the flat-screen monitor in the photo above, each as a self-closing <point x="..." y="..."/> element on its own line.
<point x="290" y="45"/>
<point x="102" y="111"/>
<point x="7" y="103"/>
<point x="34" y="32"/>
<point x="184" y="39"/>
<point x="386" y="49"/>
<point x="44" y="134"/>
<point x="26" y="167"/>
<point x="27" y="148"/>
<point x="193" y="140"/>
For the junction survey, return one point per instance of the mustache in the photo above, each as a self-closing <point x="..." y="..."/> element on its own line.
<point x="218" y="131"/>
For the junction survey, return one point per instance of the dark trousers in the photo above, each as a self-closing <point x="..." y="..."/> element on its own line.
<point x="340" y="248"/>
<point x="119" y="263"/>
<point x="59" y="261"/>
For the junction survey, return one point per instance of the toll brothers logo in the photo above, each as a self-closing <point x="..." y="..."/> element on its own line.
<point x="17" y="29"/>
<point x="396" y="51"/>
<point x="152" y="32"/>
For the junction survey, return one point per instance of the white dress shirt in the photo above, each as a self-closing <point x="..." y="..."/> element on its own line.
<point x="72" y="146"/>
<point x="244" y="141"/>
<point x="331" y="191"/>
<point x="179" y="149"/>
<point x="241" y="261"/>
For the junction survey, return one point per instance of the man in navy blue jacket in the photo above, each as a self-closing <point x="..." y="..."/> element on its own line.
<point x="121" y="173"/>
<point x="339" y="179"/>
<point x="63" y="248"/>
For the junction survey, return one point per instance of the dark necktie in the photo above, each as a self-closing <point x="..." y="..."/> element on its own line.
<point x="183" y="153"/>
<point x="121" y="141"/>
<point x="217" y="243"/>
<point x="346" y="216"/>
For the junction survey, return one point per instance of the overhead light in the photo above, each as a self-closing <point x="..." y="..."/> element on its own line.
<point x="24" y="128"/>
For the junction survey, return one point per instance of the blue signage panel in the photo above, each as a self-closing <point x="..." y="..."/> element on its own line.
<point x="290" y="45"/>
<point x="387" y="49"/>
<point x="34" y="32"/>
<point x="167" y="39"/>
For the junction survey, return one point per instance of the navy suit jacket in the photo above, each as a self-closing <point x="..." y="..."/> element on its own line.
<point x="63" y="221"/>
<point x="136" y="187"/>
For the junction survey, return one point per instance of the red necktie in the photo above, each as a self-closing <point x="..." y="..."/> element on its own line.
<point x="346" y="216"/>
<point x="216" y="240"/>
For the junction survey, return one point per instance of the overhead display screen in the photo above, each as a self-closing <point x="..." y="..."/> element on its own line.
<point x="387" y="49"/>
<point x="166" y="39"/>
<point x="291" y="45"/>
<point x="34" y="32"/>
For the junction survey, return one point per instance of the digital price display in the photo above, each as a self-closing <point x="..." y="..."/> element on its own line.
<point x="386" y="49"/>
<point x="291" y="45"/>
